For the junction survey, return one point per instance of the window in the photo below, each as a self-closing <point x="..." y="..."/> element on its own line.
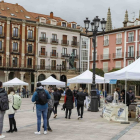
<point x="0" y="45"/>
<point x="29" y="48"/>
<point x="15" y="32"/>
<point x="53" y="64"/>
<point x="84" y="55"/>
<point x="84" y="44"/>
<point x="64" y="51"/>
<point x="130" y="61"/>
<point x="15" y="46"/>
<point x="42" y="63"/>
<point x="27" y="17"/>
<point x="106" y="40"/>
<point x="74" y="51"/>
<point x="15" y="61"/>
<point x="118" y="38"/>
<point x="131" y="37"/>
<point x="13" y="14"/>
<point x="118" y="64"/>
<point x="54" y="37"/>
<point x="1" y="28"/>
<point x="118" y="52"/>
<point x="29" y="61"/>
<point x="63" y="24"/>
<point x="106" y="53"/>
<point x="43" y="35"/>
<point x="30" y="34"/>
<point x="53" y="52"/>
<point x="131" y="51"/>
<point x="105" y="66"/>
<point x="73" y="25"/>
<point x="42" y="51"/>
<point x="74" y="38"/>
<point x="84" y="66"/>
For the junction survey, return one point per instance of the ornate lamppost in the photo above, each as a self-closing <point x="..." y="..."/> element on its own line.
<point x="94" y="29"/>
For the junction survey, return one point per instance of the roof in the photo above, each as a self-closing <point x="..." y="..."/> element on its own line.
<point x="15" y="11"/>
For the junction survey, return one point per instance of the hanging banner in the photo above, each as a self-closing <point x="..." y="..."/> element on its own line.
<point x="113" y="81"/>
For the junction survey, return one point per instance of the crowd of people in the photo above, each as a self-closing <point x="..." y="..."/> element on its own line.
<point x="47" y="103"/>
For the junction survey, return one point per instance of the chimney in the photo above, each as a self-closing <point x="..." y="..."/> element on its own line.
<point x="51" y="15"/>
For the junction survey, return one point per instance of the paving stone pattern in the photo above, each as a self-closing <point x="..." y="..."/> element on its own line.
<point x="91" y="127"/>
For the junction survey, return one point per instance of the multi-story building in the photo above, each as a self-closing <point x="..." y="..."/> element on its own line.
<point x="33" y="46"/>
<point x="117" y="48"/>
<point x="18" y="38"/>
<point x="57" y="40"/>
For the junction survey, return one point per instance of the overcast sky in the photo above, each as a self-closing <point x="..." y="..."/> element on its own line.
<point x="78" y="10"/>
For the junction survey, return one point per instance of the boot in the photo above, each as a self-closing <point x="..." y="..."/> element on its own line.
<point x="10" y="123"/>
<point x="66" y="113"/>
<point x="69" y="114"/>
<point x="14" y="123"/>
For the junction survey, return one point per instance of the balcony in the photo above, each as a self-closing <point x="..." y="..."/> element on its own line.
<point x="16" y="37"/>
<point x="42" y="54"/>
<point x="64" y="42"/>
<point x="54" y="41"/>
<point x="53" y="55"/>
<point x="0" y="63"/>
<point x="30" y="53"/>
<point x="130" y="55"/>
<point x="119" y="41"/>
<point x="63" y="55"/>
<point x="105" y="57"/>
<point x="14" y="51"/>
<point x="15" y="65"/>
<point x="30" y="39"/>
<point x="29" y="66"/>
<point x="118" y="55"/>
<point x="106" y="42"/>
<point x="91" y="58"/>
<point x="74" y="43"/>
<point x="131" y="39"/>
<point x="43" y="40"/>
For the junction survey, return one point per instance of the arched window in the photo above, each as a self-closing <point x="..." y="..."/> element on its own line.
<point x="53" y="76"/>
<point x="41" y="77"/>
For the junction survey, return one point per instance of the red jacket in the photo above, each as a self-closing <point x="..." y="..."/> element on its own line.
<point x="66" y="99"/>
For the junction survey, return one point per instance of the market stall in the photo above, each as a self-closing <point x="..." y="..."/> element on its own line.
<point x="15" y="82"/>
<point x="52" y="81"/>
<point x="86" y="78"/>
<point x="129" y="73"/>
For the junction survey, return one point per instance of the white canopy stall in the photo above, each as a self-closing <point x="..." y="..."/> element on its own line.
<point x="52" y="81"/>
<point x="86" y="77"/>
<point x="15" y="82"/>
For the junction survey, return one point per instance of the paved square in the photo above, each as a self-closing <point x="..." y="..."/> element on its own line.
<point x="91" y="127"/>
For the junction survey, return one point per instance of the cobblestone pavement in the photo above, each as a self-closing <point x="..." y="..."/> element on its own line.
<point x="91" y="127"/>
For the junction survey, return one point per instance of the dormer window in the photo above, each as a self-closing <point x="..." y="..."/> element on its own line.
<point x="8" y="8"/>
<point x="63" y="24"/>
<point x="13" y="14"/>
<point x="21" y="10"/>
<point x="73" y="25"/>
<point x="27" y="17"/>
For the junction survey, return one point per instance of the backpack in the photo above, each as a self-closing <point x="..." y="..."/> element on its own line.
<point x="4" y="102"/>
<point x="42" y="97"/>
<point x="16" y="102"/>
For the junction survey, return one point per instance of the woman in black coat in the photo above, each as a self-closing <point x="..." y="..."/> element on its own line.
<point x="69" y="100"/>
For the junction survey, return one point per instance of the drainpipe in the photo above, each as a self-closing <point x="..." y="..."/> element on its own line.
<point x="125" y="34"/>
<point x="136" y="44"/>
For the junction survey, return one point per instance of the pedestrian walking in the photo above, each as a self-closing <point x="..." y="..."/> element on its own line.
<point x="75" y="91"/>
<point x="56" y="101"/>
<point x="40" y="97"/>
<point x="80" y="102"/>
<point x="24" y="92"/>
<point x="11" y="111"/>
<point x="50" y="109"/>
<point x="3" y="108"/>
<point x="69" y="100"/>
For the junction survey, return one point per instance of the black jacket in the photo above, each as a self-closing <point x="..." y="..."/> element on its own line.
<point x="2" y="90"/>
<point x="127" y="99"/>
<point x="56" y="97"/>
<point x="80" y="98"/>
<point x="75" y="92"/>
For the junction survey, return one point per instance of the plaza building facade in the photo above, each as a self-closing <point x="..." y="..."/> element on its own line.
<point x="35" y="46"/>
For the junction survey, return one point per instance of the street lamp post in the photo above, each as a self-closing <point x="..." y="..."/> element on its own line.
<point x="94" y="29"/>
<point x="60" y="69"/>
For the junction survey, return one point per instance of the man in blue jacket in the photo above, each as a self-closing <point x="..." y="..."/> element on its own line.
<point x="40" y="97"/>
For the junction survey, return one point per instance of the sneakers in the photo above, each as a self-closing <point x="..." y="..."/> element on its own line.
<point x="2" y="136"/>
<point x="37" y="133"/>
<point x="79" y="117"/>
<point x="45" y="132"/>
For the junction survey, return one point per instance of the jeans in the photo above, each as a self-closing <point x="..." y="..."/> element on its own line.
<point x="75" y="100"/>
<point x="55" y="108"/>
<point x="1" y="120"/>
<point x="42" y="112"/>
<point x="78" y="110"/>
<point x="48" y="117"/>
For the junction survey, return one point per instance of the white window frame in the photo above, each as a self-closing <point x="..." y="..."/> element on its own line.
<point x="118" y="55"/>
<point x="128" y="50"/>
